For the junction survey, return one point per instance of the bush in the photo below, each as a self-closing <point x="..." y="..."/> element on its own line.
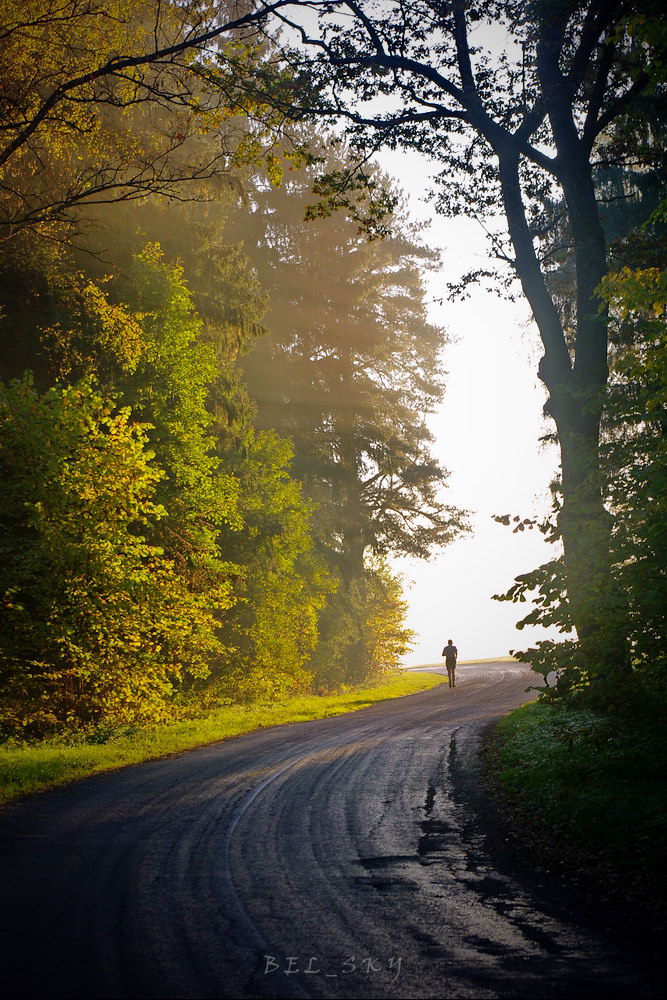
<point x="96" y="621"/>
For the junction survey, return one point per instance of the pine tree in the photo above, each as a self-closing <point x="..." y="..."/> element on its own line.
<point x="349" y="371"/>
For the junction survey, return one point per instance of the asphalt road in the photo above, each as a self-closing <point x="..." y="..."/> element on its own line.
<point x="351" y="857"/>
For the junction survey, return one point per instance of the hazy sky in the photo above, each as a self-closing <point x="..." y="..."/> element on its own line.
<point x="487" y="435"/>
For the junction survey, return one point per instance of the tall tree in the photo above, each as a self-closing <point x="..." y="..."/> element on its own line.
<point x="350" y="371"/>
<point x="511" y="100"/>
<point x="151" y="352"/>
<point x="271" y="632"/>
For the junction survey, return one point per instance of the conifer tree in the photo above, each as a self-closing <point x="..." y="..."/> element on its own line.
<point x="350" y="371"/>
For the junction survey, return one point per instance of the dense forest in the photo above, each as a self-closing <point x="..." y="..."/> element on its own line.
<point x="217" y="362"/>
<point x="213" y="412"/>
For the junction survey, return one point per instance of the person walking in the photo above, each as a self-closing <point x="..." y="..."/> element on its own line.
<point x="450" y="652"/>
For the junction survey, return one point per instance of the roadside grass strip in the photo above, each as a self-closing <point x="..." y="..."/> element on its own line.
<point x="467" y="663"/>
<point x="28" y="768"/>
<point x="586" y="790"/>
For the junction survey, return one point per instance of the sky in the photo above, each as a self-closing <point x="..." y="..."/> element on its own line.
<point x="487" y="434"/>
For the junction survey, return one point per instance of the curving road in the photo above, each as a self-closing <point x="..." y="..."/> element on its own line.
<point x="351" y="857"/>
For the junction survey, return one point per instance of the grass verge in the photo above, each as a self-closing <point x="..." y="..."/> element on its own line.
<point x="467" y="663"/>
<point x="30" y="768"/>
<point x="586" y="792"/>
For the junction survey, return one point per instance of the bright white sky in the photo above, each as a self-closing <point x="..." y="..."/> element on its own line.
<point x="487" y="435"/>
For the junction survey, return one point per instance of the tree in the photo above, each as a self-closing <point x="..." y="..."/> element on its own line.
<point x="170" y="359"/>
<point x="510" y="128"/>
<point x="362" y="629"/>
<point x="112" y="100"/>
<point x="635" y="488"/>
<point x="149" y="351"/>
<point x="350" y="370"/>
<point x="97" y="622"/>
<point x="272" y="631"/>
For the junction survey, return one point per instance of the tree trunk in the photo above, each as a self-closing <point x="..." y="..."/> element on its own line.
<point x="576" y="389"/>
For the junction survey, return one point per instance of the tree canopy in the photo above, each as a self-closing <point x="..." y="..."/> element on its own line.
<point x="113" y="100"/>
<point x="515" y="103"/>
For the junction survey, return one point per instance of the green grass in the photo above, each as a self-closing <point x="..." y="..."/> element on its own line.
<point x="489" y="659"/>
<point x="30" y="768"/>
<point x="467" y="663"/>
<point x="587" y="791"/>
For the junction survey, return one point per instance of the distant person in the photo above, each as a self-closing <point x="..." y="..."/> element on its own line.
<point x="450" y="652"/>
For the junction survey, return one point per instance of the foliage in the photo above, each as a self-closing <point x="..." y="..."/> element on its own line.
<point x="148" y="355"/>
<point x="249" y="535"/>
<point x="558" y="663"/>
<point x="365" y="199"/>
<point x="96" y="337"/>
<point x="584" y="791"/>
<point x="363" y="632"/>
<point x="518" y="124"/>
<point x="386" y="637"/>
<point x="122" y="99"/>
<point x="636" y="459"/>
<point x="139" y="334"/>
<point x="170" y="387"/>
<point x="151" y="353"/>
<point x="97" y="623"/>
<point x="635" y="463"/>
<point x="273" y="630"/>
<point x="349" y="371"/>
